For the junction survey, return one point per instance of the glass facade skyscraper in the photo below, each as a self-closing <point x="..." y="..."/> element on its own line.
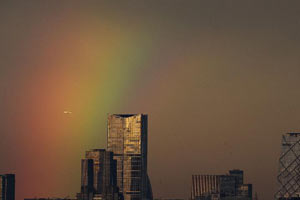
<point x="127" y="139"/>
<point x="289" y="167"/>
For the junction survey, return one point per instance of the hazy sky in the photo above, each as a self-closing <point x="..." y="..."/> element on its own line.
<point x="218" y="79"/>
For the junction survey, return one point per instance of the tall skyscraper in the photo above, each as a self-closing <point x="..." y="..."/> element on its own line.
<point x="289" y="167"/>
<point x="7" y="187"/>
<point x="98" y="176"/>
<point x="127" y="139"/>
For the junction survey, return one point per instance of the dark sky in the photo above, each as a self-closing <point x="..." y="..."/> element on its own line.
<point x="218" y="79"/>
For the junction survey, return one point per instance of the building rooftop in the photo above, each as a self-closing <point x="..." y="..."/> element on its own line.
<point x="97" y="150"/>
<point x="293" y="134"/>
<point x="127" y="115"/>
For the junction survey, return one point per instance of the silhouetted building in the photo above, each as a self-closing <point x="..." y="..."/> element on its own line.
<point x="221" y="187"/>
<point x="239" y="174"/>
<point x="7" y="187"/>
<point x="127" y="139"/>
<point x="289" y="167"/>
<point x="228" y="186"/>
<point x="98" y="176"/>
<point x="245" y="190"/>
<point x="87" y="178"/>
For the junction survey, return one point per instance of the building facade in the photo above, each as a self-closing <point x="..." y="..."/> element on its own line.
<point x="221" y="187"/>
<point x="7" y="187"/>
<point x="98" y="176"/>
<point x="244" y="190"/>
<point x="205" y="185"/>
<point x="289" y="167"/>
<point x="228" y="186"/>
<point x="127" y="139"/>
<point x="239" y="174"/>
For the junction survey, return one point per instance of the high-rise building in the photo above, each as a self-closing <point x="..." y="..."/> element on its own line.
<point x="289" y="167"/>
<point x="98" y="176"/>
<point x="7" y="187"/>
<point x="221" y="187"/>
<point x="127" y="139"/>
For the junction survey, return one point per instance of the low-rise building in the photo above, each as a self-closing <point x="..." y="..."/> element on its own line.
<point x="221" y="187"/>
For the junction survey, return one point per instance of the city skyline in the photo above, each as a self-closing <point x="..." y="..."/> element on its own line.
<point x="218" y="79"/>
<point x="120" y="171"/>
